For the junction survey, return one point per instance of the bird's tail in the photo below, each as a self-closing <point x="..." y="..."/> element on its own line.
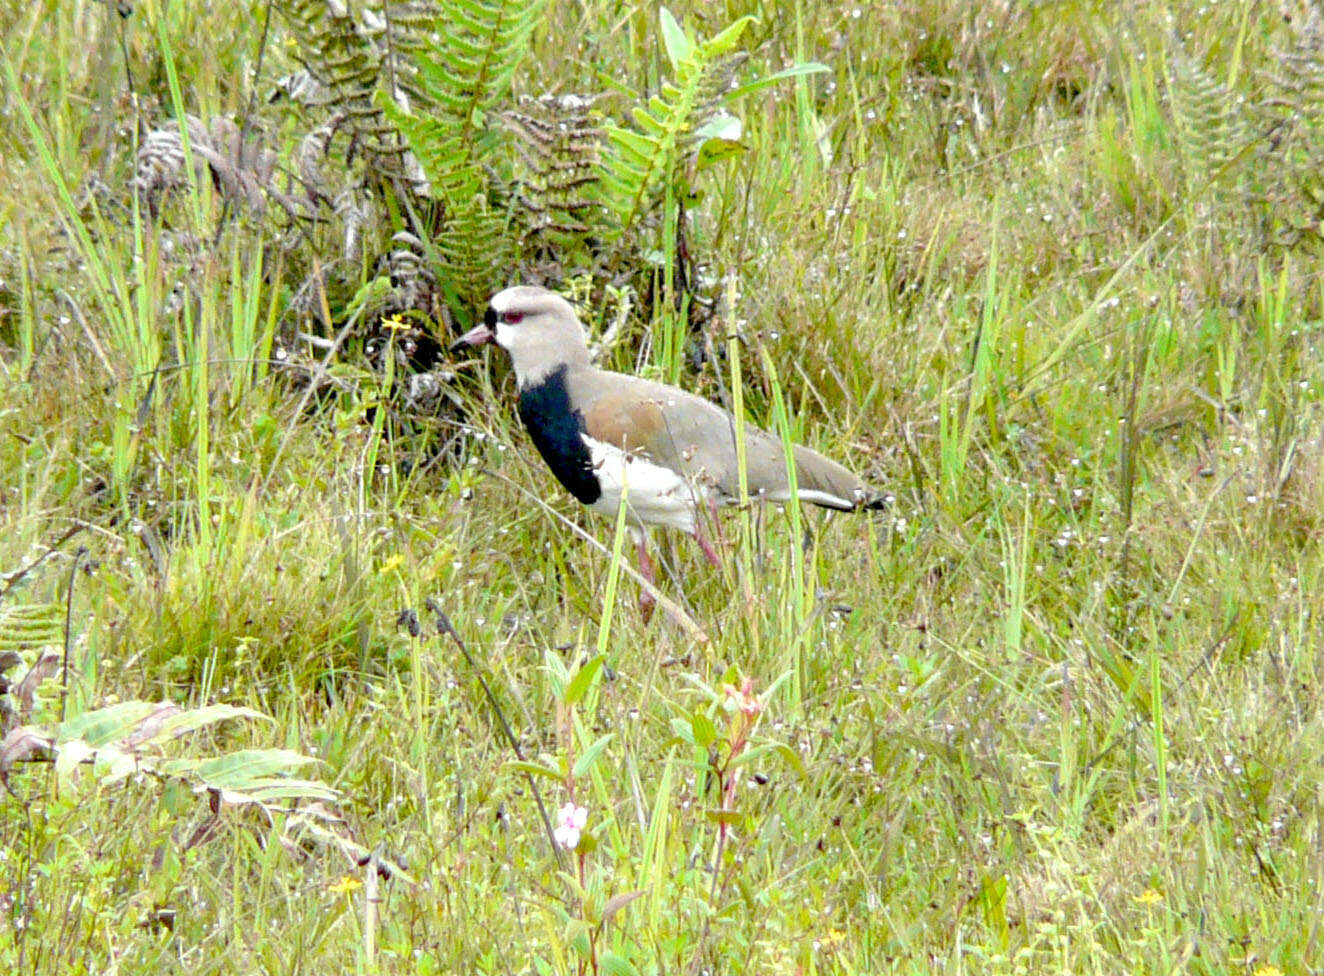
<point x="824" y="482"/>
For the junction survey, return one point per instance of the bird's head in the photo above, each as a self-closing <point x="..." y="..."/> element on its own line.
<point x="537" y="327"/>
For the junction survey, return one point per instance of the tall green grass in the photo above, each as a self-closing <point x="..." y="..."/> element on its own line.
<point x="1055" y="710"/>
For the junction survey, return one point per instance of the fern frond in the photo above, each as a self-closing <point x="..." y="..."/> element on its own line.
<point x="26" y="626"/>
<point x="350" y="54"/>
<point x="559" y="138"/>
<point x="466" y="70"/>
<point x="463" y="76"/>
<point x="640" y="161"/>
<point x="475" y="242"/>
<point x="1211" y="126"/>
<point x="1292" y="174"/>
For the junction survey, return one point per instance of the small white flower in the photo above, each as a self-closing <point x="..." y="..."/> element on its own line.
<point x="570" y="821"/>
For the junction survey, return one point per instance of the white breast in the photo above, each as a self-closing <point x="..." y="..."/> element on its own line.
<point x="654" y="495"/>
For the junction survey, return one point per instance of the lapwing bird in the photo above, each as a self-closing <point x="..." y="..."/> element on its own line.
<point x="671" y="453"/>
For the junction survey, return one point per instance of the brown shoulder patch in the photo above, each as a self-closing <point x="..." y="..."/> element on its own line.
<point x="626" y="422"/>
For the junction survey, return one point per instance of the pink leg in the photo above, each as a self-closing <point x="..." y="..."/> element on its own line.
<point x="646" y="600"/>
<point x="707" y="549"/>
<point x="717" y="523"/>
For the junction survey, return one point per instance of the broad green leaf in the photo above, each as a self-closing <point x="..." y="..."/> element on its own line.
<point x="713" y="151"/>
<point x="196" y="718"/>
<point x="705" y="733"/>
<point x="684" y="730"/>
<point x="182" y="767"/>
<point x="238" y="769"/>
<point x="615" y="965"/>
<point x="290" y="789"/>
<point x="110" y="724"/>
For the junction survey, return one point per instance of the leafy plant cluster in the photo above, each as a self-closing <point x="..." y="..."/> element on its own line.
<point x="416" y="128"/>
<point x="433" y="182"/>
<point x="89" y="753"/>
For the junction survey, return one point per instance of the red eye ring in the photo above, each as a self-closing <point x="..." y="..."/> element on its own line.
<point x="512" y="318"/>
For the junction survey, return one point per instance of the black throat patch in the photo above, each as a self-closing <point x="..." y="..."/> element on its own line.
<point x="558" y="434"/>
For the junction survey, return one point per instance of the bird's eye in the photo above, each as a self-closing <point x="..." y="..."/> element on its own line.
<point x="512" y="318"/>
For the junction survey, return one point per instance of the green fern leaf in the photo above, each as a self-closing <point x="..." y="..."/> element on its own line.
<point x="559" y="139"/>
<point x="640" y="162"/>
<point x="1211" y="126"/>
<point x="463" y="78"/>
<point x="1288" y="180"/>
<point x="31" y="625"/>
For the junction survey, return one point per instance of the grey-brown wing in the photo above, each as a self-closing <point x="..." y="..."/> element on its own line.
<point x="692" y="435"/>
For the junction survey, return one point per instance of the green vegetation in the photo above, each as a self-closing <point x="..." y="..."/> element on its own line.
<point x="1050" y="273"/>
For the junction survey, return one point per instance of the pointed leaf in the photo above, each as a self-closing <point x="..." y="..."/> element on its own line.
<point x="288" y="789"/>
<point x="684" y="730"/>
<point x="615" y="965"/>
<point x="196" y="718"/>
<point x="536" y="769"/>
<point x="791" y="757"/>
<point x="713" y="151"/>
<point x="590" y="755"/>
<point x="238" y="769"/>
<point x="583" y="679"/>
<point x="678" y="45"/>
<point x="726" y="41"/>
<point x="149" y="727"/>
<point x="616" y="902"/>
<point x="558" y="673"/>
<point x="767" y="81"/>
<point x="110" y="724"/>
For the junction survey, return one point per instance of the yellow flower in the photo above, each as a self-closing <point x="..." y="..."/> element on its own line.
<point x="347" y="885"/>
<point x="1267" y="969"/>
<point x="1151" y="897"/>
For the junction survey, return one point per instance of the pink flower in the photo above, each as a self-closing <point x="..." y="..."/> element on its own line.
<point x="570" y="821"/>
<point x="742" y="698"/>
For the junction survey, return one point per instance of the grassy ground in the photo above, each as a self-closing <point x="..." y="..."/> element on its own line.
<point x="1045" y="272"/>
